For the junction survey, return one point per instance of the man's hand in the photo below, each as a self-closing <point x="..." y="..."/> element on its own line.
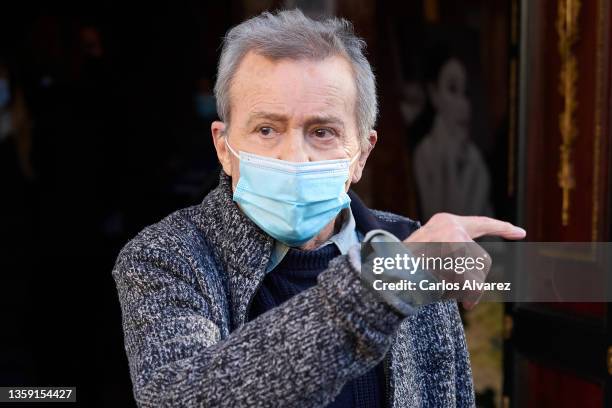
<point x="443" y="227"/>
<point x="448" y="228"/>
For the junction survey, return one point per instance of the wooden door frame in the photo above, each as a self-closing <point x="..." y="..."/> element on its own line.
<point x="585" y="350"/>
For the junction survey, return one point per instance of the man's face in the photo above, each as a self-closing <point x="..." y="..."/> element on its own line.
<point x="297" y="111"/>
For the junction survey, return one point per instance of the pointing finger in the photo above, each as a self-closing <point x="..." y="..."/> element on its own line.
<point x="480" y="226"/>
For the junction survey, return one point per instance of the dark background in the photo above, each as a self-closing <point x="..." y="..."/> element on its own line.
<point x="116" y="144"/>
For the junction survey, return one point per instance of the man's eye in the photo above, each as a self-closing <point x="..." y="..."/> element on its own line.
<point x="265" y="130"/>
<point x="323" y="133"/>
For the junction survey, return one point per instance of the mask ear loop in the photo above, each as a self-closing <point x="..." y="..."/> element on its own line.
<point x="354" y="158"/>
<point x="230" y="147"/>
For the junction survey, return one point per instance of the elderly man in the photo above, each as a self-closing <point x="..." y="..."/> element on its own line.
<point x="254" y="297"/>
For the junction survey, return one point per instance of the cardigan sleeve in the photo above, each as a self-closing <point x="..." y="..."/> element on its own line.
<point x="300" y="353"/>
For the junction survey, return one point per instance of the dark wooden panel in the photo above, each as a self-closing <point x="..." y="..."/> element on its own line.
<point x="588" y="202"/>
<point x="573" y="344"/>
<point x="556" y="389"/>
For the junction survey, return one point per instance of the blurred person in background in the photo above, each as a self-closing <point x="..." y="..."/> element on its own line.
<point x="449" y="169"/>
<point x="204" y="100"/>
<point x="195" y="162"/>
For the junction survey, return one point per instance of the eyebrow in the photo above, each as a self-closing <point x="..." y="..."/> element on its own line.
<point x="324" y="120"/>
<point x="278" y="117"/>
<point x="275" y="117"/>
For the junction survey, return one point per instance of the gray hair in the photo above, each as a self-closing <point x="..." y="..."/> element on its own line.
<point x="290" y="34"/>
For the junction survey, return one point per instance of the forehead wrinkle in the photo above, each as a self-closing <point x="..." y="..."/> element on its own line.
<point x="331" y="94"/>
<point x="331" y="97"/>
<point x="319" y="107"/>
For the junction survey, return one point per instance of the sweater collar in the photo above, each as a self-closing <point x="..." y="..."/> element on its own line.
<point x="234" y="227"/>
<point x="241" y="246"/>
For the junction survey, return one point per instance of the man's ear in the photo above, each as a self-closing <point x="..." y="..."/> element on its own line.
<point x="363" y="157"/>
<point x="218" y="130"/>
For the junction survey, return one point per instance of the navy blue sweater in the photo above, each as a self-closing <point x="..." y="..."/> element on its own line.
<point x="298" y="271"/>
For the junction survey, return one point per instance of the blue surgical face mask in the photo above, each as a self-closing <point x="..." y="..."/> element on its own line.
<point x="292" y="202"/>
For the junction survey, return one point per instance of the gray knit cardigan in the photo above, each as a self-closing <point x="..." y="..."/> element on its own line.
<point x="185" y="285"/>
